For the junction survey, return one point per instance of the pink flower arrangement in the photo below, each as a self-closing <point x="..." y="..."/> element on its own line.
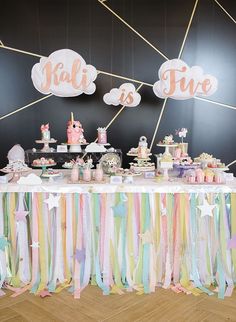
<point x="181" y="133"/>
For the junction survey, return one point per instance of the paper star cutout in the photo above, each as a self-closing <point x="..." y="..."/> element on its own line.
<point x="79" y="255"/>
<point x="20" y="215"/>
<point x="52" y="201"/>
<point x="163" y="212"/>
<point x="146" y="237"/>
<point x="3" y="243"/>
<point x="119" y="210"/>
<point x="35" y="244"/>
<point x="44" y="293"/>
<point x="124" y="197"/>
<point x="232" y="242"/>
<point x="206" y="209"/>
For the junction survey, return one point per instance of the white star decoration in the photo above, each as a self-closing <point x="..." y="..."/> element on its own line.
<point x="35" y="244"/>
<point x="206" y="209"/>
<point x="146" y="237"/>
<point x="52" y="201"/>
<point x="163" y="211"/>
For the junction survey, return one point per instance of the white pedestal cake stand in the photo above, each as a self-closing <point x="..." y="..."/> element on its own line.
<point x="166" y="166"/>
<point x="75" y="147"/>
<point x="167" y="147"/>
<point x="46" y="147"/>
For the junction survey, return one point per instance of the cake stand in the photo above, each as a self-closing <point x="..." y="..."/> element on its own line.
<point x="44" y="168"/>
<point x="167" y="147"/>
<point x="75" y="147"/>
<point x="166" y="166"/>
<point x="183" y="168"/>
<point x="136" y="154"/>
<point x="142" y="165"/>
<point x="46" y="147"/>
<point x="16" y="174"/>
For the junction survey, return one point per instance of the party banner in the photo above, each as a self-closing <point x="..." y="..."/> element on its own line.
<point x="64" y="73"/>
<point x="181" y="82"/>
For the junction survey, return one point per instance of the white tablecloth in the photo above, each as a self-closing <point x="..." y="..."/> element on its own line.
<point x="62" y="185"/>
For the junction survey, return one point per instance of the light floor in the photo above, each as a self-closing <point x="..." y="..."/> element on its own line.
<point x="164" y="305"/>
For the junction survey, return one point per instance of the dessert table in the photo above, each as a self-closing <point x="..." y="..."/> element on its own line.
<point x="125" y="237"/>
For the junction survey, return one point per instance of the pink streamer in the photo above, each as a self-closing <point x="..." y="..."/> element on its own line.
<point x="176" y="265"/>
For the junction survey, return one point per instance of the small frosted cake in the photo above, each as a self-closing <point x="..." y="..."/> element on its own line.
<point x="45" y="132"/>
<point x="75" y="132"/>
<point x="142" y="151"/>
<point x="168" y="140"/>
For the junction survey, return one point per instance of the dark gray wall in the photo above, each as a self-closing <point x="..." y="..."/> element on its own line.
<point x="88" y="28"/>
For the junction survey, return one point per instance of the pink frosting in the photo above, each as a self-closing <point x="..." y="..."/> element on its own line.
<point x="75" y="133"/>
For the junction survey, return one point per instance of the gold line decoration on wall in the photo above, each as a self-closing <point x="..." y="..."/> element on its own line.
<point x="179" y="56"/>
<point x="25" y="106"/>
<point x="131" y="28"/>
<point x="225" y="11"/>
<point x="123" y="77"/>
<point x="187" y="30"/>
<point x="216" y="103"/>
<point x="231" y="163"/>
<point x="158" y="123"/>
<point x="21" y="51"/>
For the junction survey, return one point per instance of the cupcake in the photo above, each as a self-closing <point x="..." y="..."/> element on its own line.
<point x="199" y="175"/>
<point x="191" y="176"/>
<point x="209" y="175"/>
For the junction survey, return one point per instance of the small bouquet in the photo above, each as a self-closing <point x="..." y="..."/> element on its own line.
<point x="181" y="133"/>
<point x="44" y="128"/>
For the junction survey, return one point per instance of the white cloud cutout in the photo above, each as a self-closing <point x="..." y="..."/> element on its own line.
<point x="124" y="95"/>
<point x="31" y="179"/>
<point x="64" y="73"/>
<point x="94" y="147"/>
<point x="180" y="82"/>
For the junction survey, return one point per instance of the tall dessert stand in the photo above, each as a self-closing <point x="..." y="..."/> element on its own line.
<point x="75" y="147"/>
<point x="46" y="147"/>
<point x="166" y="166"/>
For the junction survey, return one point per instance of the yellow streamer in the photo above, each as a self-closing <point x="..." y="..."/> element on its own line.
<point x="42" y="249"/>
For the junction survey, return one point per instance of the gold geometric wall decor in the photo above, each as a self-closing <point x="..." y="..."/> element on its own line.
<point x="141" y="83"/>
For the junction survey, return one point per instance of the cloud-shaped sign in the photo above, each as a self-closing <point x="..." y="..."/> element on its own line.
<point x="64" y="73"/>
<point x="124" y="95"/>
<point x="94" y="147"/>
<point x="180" y="82"/>
<point x="31" y="179"/>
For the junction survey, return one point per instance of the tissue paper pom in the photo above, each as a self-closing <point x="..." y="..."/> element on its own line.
<point x="16" y="153"/>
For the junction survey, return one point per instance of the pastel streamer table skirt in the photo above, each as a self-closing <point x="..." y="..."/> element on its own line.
<point x="120" y="240"/>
